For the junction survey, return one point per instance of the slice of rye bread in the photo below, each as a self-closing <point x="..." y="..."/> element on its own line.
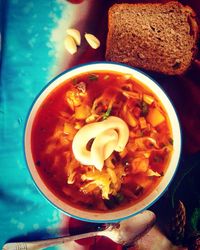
<point x="156" y="37"/>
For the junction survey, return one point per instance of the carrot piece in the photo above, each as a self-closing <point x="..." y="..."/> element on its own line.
<point x="155" y="117"/>
<point x="148" y="99"/>
<point x="69" y="130"/>
<point x="142" y="122"/>
<point x="82" y="112"/>
<point x="131" y="119"/>
<point x="140" y="165"/>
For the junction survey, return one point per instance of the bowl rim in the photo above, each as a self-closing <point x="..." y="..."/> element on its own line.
<point x="105" y="63"/>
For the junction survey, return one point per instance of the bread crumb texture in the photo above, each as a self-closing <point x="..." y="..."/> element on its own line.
<point x="156" y="37"/>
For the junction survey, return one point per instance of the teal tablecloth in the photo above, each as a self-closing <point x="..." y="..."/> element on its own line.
<point x="27" y="64"/>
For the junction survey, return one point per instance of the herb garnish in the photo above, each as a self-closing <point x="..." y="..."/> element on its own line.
<point x="93" y="77"/>
<point x="74" y="81"/>
<point x="195" y="219"/>
<point x="171" y="141"/>
<point x="107" y="114"/>
<point x="144" y="108"/>
<point x="119" y="197"/>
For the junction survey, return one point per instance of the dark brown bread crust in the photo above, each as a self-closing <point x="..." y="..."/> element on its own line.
<point x="156" y="37"/>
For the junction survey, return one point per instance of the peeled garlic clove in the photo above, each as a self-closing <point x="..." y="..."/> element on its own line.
<point x="92" y="40"/>
<point x="70" y="45"/>
<point x="107" y="140"/>
<point x="75" y="34"/>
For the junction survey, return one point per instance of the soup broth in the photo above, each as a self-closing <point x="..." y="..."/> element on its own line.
<point x="127" y="176"/>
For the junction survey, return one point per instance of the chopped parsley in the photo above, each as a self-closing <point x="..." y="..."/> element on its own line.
<point x="119" y="197"/>
<point x="107" y="113"/>
<point x="144" y="108"/>
<point x="74" y="81"/>
<point x="93" y="77"/>
<point x="171" y="141"/>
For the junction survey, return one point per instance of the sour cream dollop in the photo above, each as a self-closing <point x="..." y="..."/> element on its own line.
<point x="109" y="135"/>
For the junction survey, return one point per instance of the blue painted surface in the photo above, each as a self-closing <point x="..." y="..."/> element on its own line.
<point x="26" y="66"/>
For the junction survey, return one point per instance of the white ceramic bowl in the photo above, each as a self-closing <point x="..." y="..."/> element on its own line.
<point x="112" y="216"/>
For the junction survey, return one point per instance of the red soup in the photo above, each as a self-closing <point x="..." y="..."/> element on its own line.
<point x="127" y="176"/>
